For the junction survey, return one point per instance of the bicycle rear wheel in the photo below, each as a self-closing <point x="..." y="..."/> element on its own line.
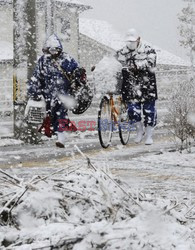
<point x="124" y="125"/>
<point x="105" y="124"/>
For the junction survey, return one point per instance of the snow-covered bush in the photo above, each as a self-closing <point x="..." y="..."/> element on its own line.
<point x="85" y="207"/>
<point x="181" y="110"/>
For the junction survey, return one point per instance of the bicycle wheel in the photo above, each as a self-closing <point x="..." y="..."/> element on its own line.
<point x="124" y="125"/>
<point x="105" y="126"/>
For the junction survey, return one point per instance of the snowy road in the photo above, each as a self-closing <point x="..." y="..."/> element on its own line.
<point x="20" y="154"/>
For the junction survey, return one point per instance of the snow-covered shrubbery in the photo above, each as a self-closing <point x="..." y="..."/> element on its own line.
<point x="181" y="113"/>
<point x="84" y="207"/>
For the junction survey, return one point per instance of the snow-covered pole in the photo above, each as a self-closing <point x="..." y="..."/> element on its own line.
<point x="31" y="36"/>
<point x="15" y="35"/>
<point x="18" y="57"/>
<point x="18" y="17"/>
<point x="49" y="17"/>
<point x="24" y="34"/>
<point x="193" y="30"/>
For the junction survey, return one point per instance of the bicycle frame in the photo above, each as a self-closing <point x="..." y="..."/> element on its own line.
<point x="115" y="108"/>
<point x="115" y="111"/>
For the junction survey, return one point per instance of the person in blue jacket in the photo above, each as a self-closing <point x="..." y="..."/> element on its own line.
<point x="51" y="79"/>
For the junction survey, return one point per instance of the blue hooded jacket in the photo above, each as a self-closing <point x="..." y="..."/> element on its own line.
<point x="48" y="78"/>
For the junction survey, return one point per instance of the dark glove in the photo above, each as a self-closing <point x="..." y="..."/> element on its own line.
<point x="125" y="73"/>
<point x="80" y="75"/>
<point x="132" y="66"/>
<point x="83" y="76"/>
<point x="133" y="70"/>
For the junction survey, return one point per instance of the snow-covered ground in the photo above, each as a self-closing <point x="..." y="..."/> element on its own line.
<point x="134" y="197"/>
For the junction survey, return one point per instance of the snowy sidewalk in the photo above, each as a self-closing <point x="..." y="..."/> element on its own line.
<point x="15" y="152"/>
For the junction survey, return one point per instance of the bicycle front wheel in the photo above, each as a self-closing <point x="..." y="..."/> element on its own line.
<point x="124" y="125"/>
<point x="105" y="125"/>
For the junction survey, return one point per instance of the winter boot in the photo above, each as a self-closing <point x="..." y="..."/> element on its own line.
<point x="149" y="132"/>
<point x="61" y="139"/>
<point x="140" y="132"/>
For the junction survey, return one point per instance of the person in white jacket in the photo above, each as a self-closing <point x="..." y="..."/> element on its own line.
<point x="139" y="89"/>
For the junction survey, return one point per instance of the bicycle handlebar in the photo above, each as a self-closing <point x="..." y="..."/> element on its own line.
<point x="112" y="93"/>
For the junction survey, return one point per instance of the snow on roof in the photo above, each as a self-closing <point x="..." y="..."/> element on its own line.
<point x="68" y="1"/>
<point x="6" y="2"/>
<point x="165" y="57"/>
<point x="6" y="50"/>
<point x="75" y="2"/>
<point x="71" y="1"/>
<point x="104" y="33"/>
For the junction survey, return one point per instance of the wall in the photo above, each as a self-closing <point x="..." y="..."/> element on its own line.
<point x="6" y="87"/>
<point x="6" y="68"/>
<point x="6" y="27"/>
<point x="91" y="51"/>
<point x="66" y="27"/>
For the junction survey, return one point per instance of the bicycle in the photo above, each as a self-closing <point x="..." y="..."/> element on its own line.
<point x="113" y="112"/>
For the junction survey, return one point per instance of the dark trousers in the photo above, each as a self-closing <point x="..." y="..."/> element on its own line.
<point x="149" y="112"/>
<point x="59" y="114"/>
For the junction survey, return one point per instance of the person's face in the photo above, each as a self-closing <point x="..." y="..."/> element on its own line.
<point x="132" y="45"/>
<point x="55" y="52"/>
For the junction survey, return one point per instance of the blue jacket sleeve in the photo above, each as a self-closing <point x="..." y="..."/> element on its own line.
<point x="69" y="64"/>
<point x="74" y="65"/>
